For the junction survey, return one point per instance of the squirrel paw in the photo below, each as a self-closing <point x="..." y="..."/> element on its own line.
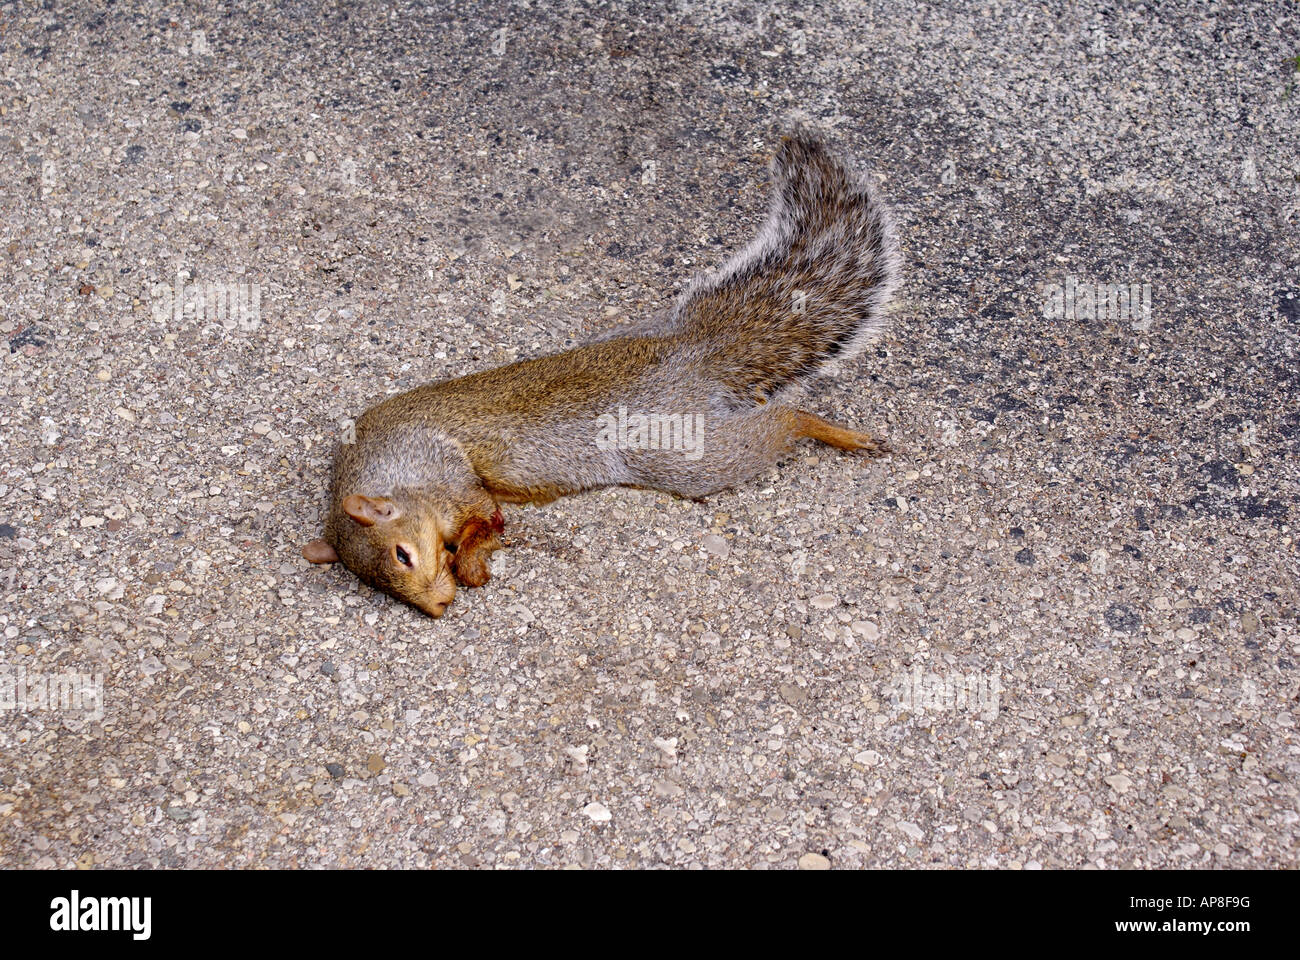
<point x="871" y="446"/>
<point x="807" y="424"/>
<point x="473" y="571"/>
<point x="470" y="562"/>
<point x="479" y="540"/>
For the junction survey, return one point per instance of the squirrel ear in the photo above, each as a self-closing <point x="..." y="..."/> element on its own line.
<point x="318" y="551"/>
<point x="368" y="511"/>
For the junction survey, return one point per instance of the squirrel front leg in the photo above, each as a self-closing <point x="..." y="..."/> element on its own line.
<point x="478" y="541"/>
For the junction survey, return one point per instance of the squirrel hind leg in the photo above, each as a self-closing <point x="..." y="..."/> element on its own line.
<point x="805" y="424"/>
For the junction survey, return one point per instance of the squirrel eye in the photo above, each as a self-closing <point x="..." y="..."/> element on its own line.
<point x="403" y="557"/>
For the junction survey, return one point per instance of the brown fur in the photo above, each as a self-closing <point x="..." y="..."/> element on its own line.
<point x="414" y="501"/>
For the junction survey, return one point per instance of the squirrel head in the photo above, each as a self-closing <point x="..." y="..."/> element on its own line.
<point x="412" y="547"/>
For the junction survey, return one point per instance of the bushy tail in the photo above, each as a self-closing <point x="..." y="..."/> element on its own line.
<point x="811" y="288"/>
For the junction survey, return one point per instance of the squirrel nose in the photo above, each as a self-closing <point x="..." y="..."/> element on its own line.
<point x="434" y="601"/>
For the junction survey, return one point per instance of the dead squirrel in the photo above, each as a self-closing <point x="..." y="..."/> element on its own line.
<point x="414" y="501"/>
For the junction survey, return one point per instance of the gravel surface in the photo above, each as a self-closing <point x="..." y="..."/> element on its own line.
<point x="1055" y="628"/>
